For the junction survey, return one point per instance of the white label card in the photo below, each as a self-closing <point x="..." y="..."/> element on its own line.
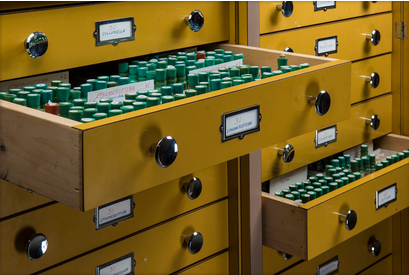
<point x="118" y="93"/>
<point x="325" y="136"/>
<point x="241" y="122"/>
<point x="122" y="266"/>
<point x="325" y="4"/>
<point x="329" y="267"/>
<point x="385" y="196"/>
<point x="215" y="68"/>
<point x="112" y="31"/>
<point x="31" y="81"/>
<point x="112" y="213"/>
<point x="326" y="46"/>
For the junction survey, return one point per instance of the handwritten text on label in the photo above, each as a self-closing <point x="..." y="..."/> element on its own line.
<point x="118" y="93"/>
<point x="115" y="30"/>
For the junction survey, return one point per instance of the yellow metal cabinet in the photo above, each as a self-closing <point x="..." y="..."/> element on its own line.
<point x="161" y="249"/>
<point x="159" y="26"/>
<point x="351" y="132"/>
<point x="371" y="78"/>
<point x="80" y="170"/>
<point x="274" y="261"/>
<point x="351" y="37"/>
<point x="381" y="268"/>
<point x="353" y="255"/>
<point x="67" y="229"/>
<point x="216" y="265"/>
<point x="14" y="199"/>
<point x="298" y="229"/>
<point x="307" y="13"/>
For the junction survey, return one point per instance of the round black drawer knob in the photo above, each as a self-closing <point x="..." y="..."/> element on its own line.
<point x="288" y="153"/>
<point x="350" y="219"/>
<point x="374" y="37"/>
<point x="286" y="8"/>
<point x="194" y="242"/>
<point x="373" y="80"/>
<point x="36" y="247"/>
<point x="322" y="102"/>
<point x="195" y="20"/>
<point x="165" y="151"/>
<point x="36" y="44"/>
<point x="374" y="246"/>
<point x="193" y="188"/>
<point x="374" y="122"/>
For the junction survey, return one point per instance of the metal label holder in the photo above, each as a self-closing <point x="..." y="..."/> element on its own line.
<point x="381" y="192"/>
<point x="114" y="221"/>
<point x="326" y="53"/>
<point x="100" y="268"/>
<point x="112" y="30"/>
<point x="324" y="5"/>
<point x="326" y="142"/>
<point x="329" y="267"/>
<point x="237" y="116"/>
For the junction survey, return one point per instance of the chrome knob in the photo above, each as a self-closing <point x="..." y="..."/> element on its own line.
<point x="165" y="151"/>
<point x="374" y="122"/>
<point x="287" y="256"/>
<point x="286" y="8"/>
<point x="374" y="246"/>
<point x="373" y="80"/>
<point x="288" y="49"/>
<point x="36" y="247"/>
<point x="193" y="188"/>
<point x="194" y="242"/>
<point x="375" y="37"/>
<point x="350" y="219"/>
<point x="287" y="153"/>
<point x="195" y="20"/>
<point x="322" y="102"/>
<point x="36" y="44"/>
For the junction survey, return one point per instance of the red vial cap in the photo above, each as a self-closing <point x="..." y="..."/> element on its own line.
<point x="51" y="108"/>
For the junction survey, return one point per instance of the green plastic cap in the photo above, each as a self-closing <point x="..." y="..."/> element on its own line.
<point x="167" y="98"/>
<point x="166" y="90"/>
<point x="351" y="178"/>
<point x="179" y="96"/>
<point x="123" y="80"/>
<point x="152" y="101"/>
<point x="138" y="105"/>
<point x="75" y="115"/>
<point x="378" y="166"/>
<point x="89" y="112"/>
<point x="123" y="67"/>
<point x="103" y="107"/>
<point x="160" y="74"/>
<point x="87" y="119"/>
<point x="304" y="65"/>
<point x="116" y="105"/>
<point x="180" y="70"/>
<point x="171" y="72"/>
<point x="98" y="116"/>
<point x="190" y="92"/>
<point x="364" y="148"/>
<point x="20" y="101"/>
<point x="127" y="108"/>
<point x="289" y="196"/>
<point x="114" y="112"/>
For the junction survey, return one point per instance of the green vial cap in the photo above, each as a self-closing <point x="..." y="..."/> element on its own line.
<point x="254" y="70"/>
<point x="47" y="95"/>
<point x="325" y="189"/>
<point x="296" y="195"/>
<point x="20" y="101"/>
<point x="333" y="186"/>
<point x="33" y="100"/>
<point x="138" y="105"/>
<point x="282" y="60"/>
<point x="151" y="75"/>
<point x="114" y="112"/>
<point x="371" y="159"/>
<point x="87" y="119"/>
<point x="265" y="69"/>
<point x="55" y="82"/>
<point x="123" y="80"/>
<point x="320" y="176"/>
<point x="141" y="98"/>
<point x="238" y="82"/>
<point x="160" y="74"/>
<point x="193" y="80"/>
<point x="406" y="153"/>
<point x="203" y="76"/>
<point x="16" y="91"/>
<point x="166" y="90"/>
<point x="85" y="89"/>
<point x="294" y="67"/>
<point x="329" y="179"/>
<point x="357" y="175"/>
<point x="116" y="105"/>
<point x="335" y="163"/>
<point x="351" y="178"/>
<point x="313" y="179"/>
<point x="123" y="67"/>
<point x="341" y="161"/>
<point x="130" y="95"/>
<point x="306" y="183"/>
<point x="238" y="56"/>
<point x="300" y="185"/>
<point x="152" y="101"/>
<point x="391" y="159"/>
<point x="277" y="72"/>
<point x="210" y="62"/>
<point x="190" y="92"/>
<point x="180" y="70"/>
<point x="66" y="85"/>
<point x="177" y="88"/>
<point x="347" y="159"/>
<point x="309" y="188"/>
<point x="106" y="100"/>
<point x="80" y="108"/>
<point x="214" y="76"/>
<point x="266" y="75"/>
<point x="128" y="102"/>
<point x="366" y="162"/>
<point x="127" y="108"/>
<point x="354" y="164"/>
<point x="385" y="163"/>
<point x="171" y="71"/>
<point x="100" y="84"/>
<point x="345" y="180"/>
<point x="399" y="156"/>
<point x="339" y="182"/>
<point x="286" y="191"/>
<point x="226" y="84"/>
<point x="78" y="102"/>
<point x="305" y="198"/>
<point x="201" y="89"/>
<point x="227" y="58"/>
<point x="142" y="71"/>
<point x="179" y="96"/>
<point x="2" y="94"/>
<point x="133" y="70"/>
<point x="98" y="116"/>
<point x="378" y="166"/>
<point x="23" y="94"/>
<point x="103" y="78"/>
<point x="318" y="192"/>
<point x="347" y="171"/>
<point x="293" y="187"/>
<point x="285" y="69"/>
<point x="304" y="65"/>
<point x="89" y="112"/>
<point x="75" y="115"/>
<point x="312" y="194"/>
<point x="280" y="194"/>
<point x="114" y="78"/>
<point x="323" y="182"/>
<point x="26" y="88"/>
<point x="316" y="184"/>
<point x="62" y="94"/>
<point x="336" y="176"/>
<point x="63" y="108"/>
<point x="364" y="148"/>
<point x="302" y="191"/>
<point x="103" y="107"/>
<point x="167" y="98"/>
<point x="289" y="196"/>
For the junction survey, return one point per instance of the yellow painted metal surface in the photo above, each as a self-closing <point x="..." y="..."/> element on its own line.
<point x="67" y="229"/>
<point x="361" y="89"/>
<point x="353" y="255"/>
<point x="161" y="250"/>
<point x="160" y="27"/>
<point x="381" y="268"/>
<point x="272" y="20"/>
<point x="351" y="37"/>
<point x="273" y="261"/>
<point x="117" y="160"/>
<point x="14" y="199"/>
<point x="216" y="266"/>
<point x="405" y="73"/>
<point x="358" y="196"/>
<point x="351" y="132"/>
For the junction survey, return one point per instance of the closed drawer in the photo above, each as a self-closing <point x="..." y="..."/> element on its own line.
<point x="159" y="27"/>
<point x="91" y="164"/>
<point x="351" y="36"/>
<point x="274" y="261"/>
<point x="14" y="199"/>
<point x="371" y="77"/>
<point x="161" y="250"/>
<point x="351" y="132"/>
<point x="353" y="255"/>
<point x="216" y="265"/>
<point x="308" y="13"/>
<point x="67" y="229"/>
<point x="307" y="230"/>
<point x="385" y="266"/>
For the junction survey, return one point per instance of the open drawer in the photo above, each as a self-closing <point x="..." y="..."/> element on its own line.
<point x="307" y="230"/>
<point x="87" y="165"/>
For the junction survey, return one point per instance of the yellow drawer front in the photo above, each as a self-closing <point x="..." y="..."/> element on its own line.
<point x="373" y="69"/>
<point x="353" y="255"/>
<point x="351" y="132"/>
<point x="275" y="261"/>
<point x="351" y="37"/>
<point x="160" y="27"/>
<point x="14" y="199"/>
<point x="307" y="230"/>
<point x="304" y="14"/>
<point x="161" y="250"/>
<point x="67" y="229"/>
<point x="383" y="267"/>
<point x="217" y="265"/>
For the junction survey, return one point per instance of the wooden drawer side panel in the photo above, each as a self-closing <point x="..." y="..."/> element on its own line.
<point x="41" y="152"/>
<point x="284" y="226"/>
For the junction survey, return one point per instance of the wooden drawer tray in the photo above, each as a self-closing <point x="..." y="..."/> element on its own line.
<point x="304" y="13"/>
<point x="351" y="37"/>
<point x="159" y="27"/>
<point x="307" y="230"/>
<point x="152" y="207"/>
<point x="91" y="164"/>
<point x="351" y="132"/>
